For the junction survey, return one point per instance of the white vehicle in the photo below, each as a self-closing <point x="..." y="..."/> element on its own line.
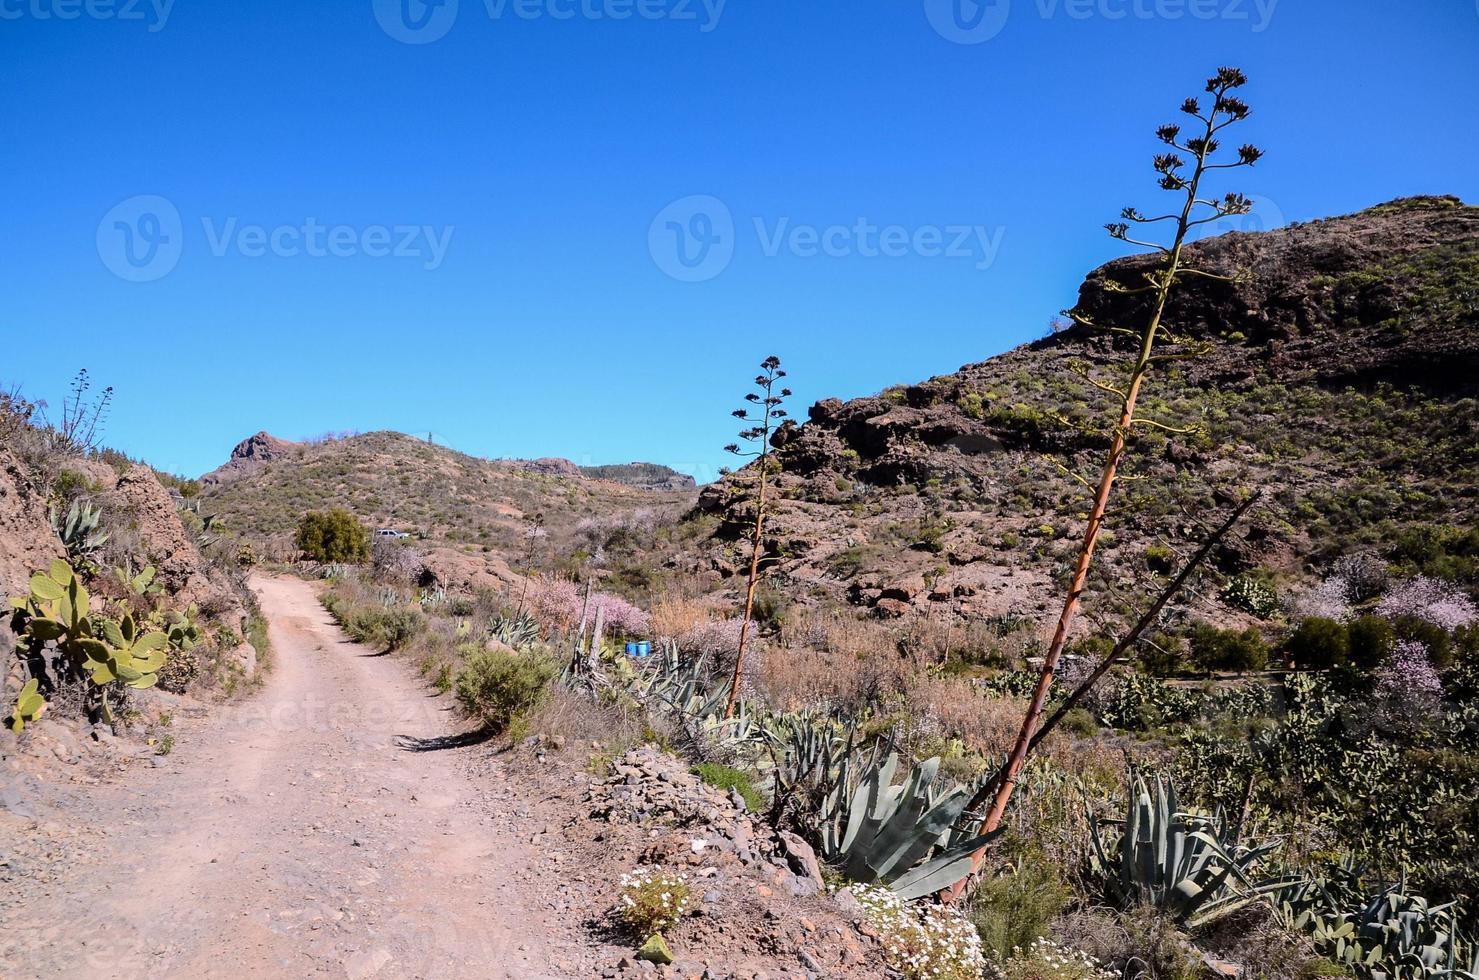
<point x="388" y="534"/>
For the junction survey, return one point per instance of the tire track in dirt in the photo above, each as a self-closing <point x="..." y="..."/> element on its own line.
<point x="292" y="834"/>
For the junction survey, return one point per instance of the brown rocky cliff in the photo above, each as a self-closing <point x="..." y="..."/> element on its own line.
<point x="27" y="542"/>
<point x="1342" y="367"/>
<point x="1323" y="300"/>
<point x="250" y="455"/>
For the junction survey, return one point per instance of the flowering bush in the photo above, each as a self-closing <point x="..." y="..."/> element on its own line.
<point x="558" y="601"/>
<point x="653" y="900"/>
<point x="1046" y="960"/>
<point x="619" y="615"/>
<point x="1331" y="599"/>
<point x="1438" y="603"/>
<point x="923" y="942"/>
<point x="1408" y="689"/>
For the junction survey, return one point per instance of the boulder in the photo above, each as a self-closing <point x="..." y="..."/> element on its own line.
<point x="456" y="571"/>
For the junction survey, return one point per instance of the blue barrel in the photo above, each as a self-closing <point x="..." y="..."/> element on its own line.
<point x="644" y="649"/>
<point x="631" y="649"/>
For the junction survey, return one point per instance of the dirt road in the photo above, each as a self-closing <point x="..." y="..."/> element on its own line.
<point x="295" y="834"/>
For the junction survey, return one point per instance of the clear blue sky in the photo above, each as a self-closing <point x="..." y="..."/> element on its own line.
<point x="548" y="141"/>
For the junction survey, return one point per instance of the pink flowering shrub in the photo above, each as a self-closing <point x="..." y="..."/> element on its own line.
<point x="1431" y="601"/>
<point x="1331" y="599"/>
<point x="620" y="616"/>
<point x="1408" y="688"/>
<point x="558" y="602"/>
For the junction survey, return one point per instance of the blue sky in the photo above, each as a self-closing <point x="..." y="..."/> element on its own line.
<point x="477" y="234"/>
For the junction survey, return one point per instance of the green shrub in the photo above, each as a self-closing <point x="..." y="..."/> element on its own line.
<point x="723" y="777"/>
<point x="1163" y="655"/>
<point x="1159" y="558"/>
<point x="496" y="687"/>
<point x="1012" y="910"/>
<point x="1368" y="641"/>
<point x="333" y="536"/>
<point x="401" y="626"/>
<point x="1080" y="722"/>
<point x="1319" y="644"/>
<point x="375" y="625"/>
<point x="1318" y="966"/>
<point x="653" y="900"/>
<point x="1215" y="649"/>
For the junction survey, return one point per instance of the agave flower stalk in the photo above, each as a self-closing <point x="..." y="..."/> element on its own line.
<point x="1195" y="211"/>
<point x="764" y="418"/>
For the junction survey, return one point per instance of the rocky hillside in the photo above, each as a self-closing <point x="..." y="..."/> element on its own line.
<point x="1341" y="380"/>
<point x="146" y="525"/>
<point x="441" y="497"/>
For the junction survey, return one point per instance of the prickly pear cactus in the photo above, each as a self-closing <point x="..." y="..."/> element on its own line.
<point x="28" y="707"/>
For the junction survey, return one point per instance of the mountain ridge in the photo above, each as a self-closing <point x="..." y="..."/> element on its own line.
<point x="954" y="493"/>
<point x="439" y="495"/>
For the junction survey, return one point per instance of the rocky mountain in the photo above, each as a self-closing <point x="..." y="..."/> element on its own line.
<point x="1341" y="380"/>
<point x="648" y="476"/>
<point x="441" y="497"/>
<point x="250" y="455"/>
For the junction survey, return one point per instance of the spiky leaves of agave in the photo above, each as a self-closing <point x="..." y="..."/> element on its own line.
<point x="900" y="836"/>
<point x="1178" y="861"/>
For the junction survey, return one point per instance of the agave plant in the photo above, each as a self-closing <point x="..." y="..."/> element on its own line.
<point x="1184" y="863"/>
<point x="901" y="836"/>
<point x="516" y="631"/>
<point x="78" y="530"/>
<point x="1390" y="935"/>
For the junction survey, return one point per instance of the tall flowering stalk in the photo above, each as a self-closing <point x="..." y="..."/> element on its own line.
<point x="764" y="416"/>
<point x="1195" y="211"/>
<point x="533" y="533"/>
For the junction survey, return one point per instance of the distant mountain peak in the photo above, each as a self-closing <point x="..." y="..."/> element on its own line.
<point x="250" y="454"/>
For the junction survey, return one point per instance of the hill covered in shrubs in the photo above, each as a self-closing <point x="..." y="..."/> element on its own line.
<point x="1340" y="379"/>
<point x="440" y="497"/>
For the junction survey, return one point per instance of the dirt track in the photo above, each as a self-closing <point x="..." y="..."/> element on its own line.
<point x="295" y="833"/>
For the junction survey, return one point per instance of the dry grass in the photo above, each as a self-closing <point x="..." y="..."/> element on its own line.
<point x="674" y="614"/>
<point x="585" y="724"/>
<point x="956" y="708"/>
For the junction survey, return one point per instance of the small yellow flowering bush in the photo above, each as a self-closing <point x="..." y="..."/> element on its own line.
<point x="923" y="942"/>
<point x="653" y="900"/>
<point x="1046" y="960"/>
